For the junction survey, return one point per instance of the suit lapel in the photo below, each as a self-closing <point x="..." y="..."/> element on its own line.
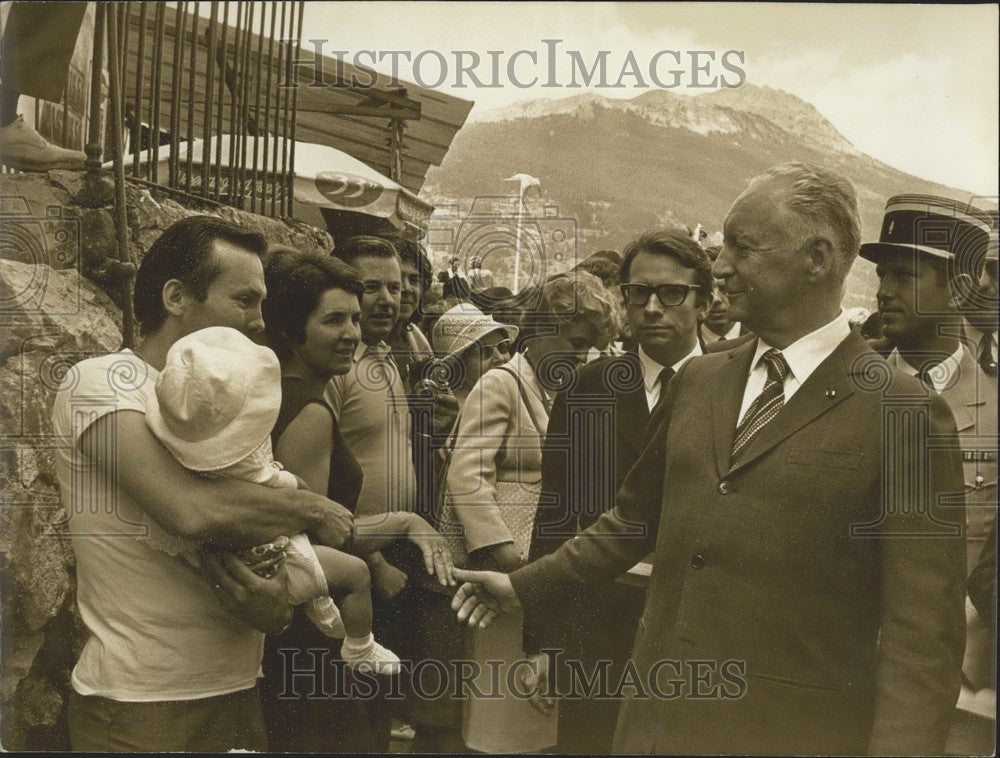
<point x="826" y="387"/>
<point x="635" y="411"/>
<point x="964" y="396"/>
<point x="731" y="382"/>
<point x="620" y="377"/>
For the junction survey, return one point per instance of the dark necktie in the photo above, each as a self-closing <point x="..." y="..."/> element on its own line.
<point x="663" y="377"/>
<point x="985" y="357"/>
<point x="767" y="404"/>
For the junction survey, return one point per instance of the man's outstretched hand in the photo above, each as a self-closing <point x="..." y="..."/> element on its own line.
<point x="483" y="596"/>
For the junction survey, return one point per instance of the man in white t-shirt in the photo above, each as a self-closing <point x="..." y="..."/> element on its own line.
<point x="173" y="652"/>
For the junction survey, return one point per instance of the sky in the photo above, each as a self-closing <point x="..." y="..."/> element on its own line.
<point x="915" y="86"/>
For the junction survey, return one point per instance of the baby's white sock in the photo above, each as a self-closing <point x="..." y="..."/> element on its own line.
<point x="358" y="644"/>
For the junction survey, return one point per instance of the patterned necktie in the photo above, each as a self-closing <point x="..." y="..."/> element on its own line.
<point x="663" y="377"/>
<point x="985" y="357"/>
<point x="767" y="404"/>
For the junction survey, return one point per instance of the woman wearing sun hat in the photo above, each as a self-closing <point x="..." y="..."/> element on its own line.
<point x="470" y="343"/>
<point x="466" y="344"/>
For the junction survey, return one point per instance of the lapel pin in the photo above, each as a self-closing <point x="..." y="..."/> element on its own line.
<point x="831" y="393"/>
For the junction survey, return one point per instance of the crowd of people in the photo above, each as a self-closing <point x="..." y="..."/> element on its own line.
<point x="325" y="495"/>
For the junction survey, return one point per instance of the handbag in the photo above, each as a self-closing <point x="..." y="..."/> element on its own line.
<point x="446" y="521"/>
<point x="517" y="501"/>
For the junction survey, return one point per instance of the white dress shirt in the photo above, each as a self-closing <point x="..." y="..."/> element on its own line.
<point x="940" y="376"/>
<point x="803" y="357"/>
<point x="651" y="373"/>
<point x="709" y="337"/>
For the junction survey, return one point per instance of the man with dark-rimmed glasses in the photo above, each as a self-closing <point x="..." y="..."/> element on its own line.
<point x="667" y="287"/>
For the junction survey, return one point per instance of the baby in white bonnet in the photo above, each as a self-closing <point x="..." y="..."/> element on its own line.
<point x="218" y="397"/>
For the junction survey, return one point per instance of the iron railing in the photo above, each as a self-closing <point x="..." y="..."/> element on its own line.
<point x="193" y="105"/>
<point x="204" y="112"/>
<point x="189" y="97"/>
<point x="202" y="109"/>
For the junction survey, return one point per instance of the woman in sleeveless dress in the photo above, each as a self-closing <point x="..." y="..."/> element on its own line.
<point x="312" y="315"/>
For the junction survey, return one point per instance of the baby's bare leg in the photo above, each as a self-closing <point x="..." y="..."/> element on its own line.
<point x="350" y="586"/>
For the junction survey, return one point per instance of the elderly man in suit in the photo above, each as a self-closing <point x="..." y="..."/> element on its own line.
<point x="666" y="282"/>
<point x="807" y="591"/>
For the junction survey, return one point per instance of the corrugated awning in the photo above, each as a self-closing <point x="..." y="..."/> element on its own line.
<point x="425" y="141"/>
<point x="345" y="118"/>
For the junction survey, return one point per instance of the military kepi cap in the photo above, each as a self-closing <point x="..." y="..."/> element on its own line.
<point x="936" y="226"/>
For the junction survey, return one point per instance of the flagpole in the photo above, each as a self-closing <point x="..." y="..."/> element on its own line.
<point x="524" y="181"/>
<point x="517" y="242"/>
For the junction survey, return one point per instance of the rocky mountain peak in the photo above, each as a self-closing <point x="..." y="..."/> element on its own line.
<point x="783" y="109"/>
<point x="724" y="111"/>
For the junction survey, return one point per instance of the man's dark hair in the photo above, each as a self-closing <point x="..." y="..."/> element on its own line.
<point x="183" y="252"/>
<point x="605" y="265"/>
<point x="295" y="283"/>
<point x="364" y="246"/>
<point x="678" y="245"/>
<point x="412" y="252"/>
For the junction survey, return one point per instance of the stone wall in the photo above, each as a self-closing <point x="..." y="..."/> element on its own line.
<point x="52" y="314"/>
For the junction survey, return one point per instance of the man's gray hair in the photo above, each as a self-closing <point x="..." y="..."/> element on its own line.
<point x="825" y="197"/>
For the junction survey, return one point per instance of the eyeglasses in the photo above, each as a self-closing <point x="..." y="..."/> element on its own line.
<point x="502" y="347"/>
<point x="669" y="295"/>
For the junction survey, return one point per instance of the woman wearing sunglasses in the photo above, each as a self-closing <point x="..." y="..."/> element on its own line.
<point x="494" y="480"/>
<point x="469" y="343"/>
